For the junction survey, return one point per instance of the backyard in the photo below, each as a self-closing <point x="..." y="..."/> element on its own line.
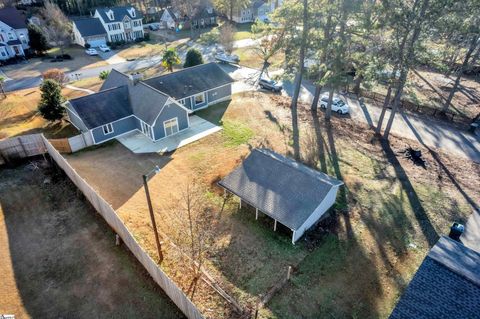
<point x="385" y="220"/>
<point x="59" y="258"/>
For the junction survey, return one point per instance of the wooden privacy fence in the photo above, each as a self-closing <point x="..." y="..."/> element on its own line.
<point x="61" y="144"/>
<point x="21" y="147"/>
<point x="72" y="144"/>
<point x="111" y="217"/>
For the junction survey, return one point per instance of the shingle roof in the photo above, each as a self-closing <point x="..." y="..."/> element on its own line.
<point x="12" y="17"/>
<point x="447" y="285"/>
<point x="171" y="13"/>
<point x="103" y="107"/>
<point x="89" y="26"/>
<point x="115" y="79"/>
<point x="280" y="187"/>
<point x="146" y="102"/>
<point x="119" y="13"/>
<point x="190" y="81"/>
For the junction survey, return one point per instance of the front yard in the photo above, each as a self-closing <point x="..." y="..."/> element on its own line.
<point x="19" y="115"/>
<point x="356" y="264"/>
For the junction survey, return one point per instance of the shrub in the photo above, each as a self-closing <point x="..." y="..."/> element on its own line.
<point x="103" y="75"/>
<point x="56" y="75"/>
<point x="194" y="57"/>
<point x="146" y="36"/>
<point x="51" y="102"/>
<point x="87" y="45"/>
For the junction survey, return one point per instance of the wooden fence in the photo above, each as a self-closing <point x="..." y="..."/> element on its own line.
<point x="21" y="147"/>
<point x="32" y="145"/>
<point x="111" y="217"/>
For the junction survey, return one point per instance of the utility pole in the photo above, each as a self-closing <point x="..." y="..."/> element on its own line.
<point x="150" y="208"/>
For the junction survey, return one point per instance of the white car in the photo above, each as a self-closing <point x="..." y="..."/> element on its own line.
<point x="91" y="51"/>
<point x="104" y="48"/>
<point x="337" y="104"/>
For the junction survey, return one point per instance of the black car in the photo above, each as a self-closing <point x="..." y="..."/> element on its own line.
<point x="270" y="85"/>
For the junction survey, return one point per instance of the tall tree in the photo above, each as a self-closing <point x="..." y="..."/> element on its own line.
<point x="38" y="42"/>
<point x="230" y="7"/>
<point x="55" y="25"/>
<point x="51" y="102"/>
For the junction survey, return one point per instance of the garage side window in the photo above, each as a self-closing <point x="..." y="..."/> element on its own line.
<point x="199" y="99"/>
<point x="107" y="128"/>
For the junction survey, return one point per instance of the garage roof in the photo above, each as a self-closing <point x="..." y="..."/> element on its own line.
<point x="190" y="81"/>
<point x="280" y="187"/>
<point x="89" y="27"/>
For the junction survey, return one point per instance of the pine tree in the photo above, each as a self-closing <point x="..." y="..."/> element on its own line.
<point x="51" y="102"/>
<point x="38" y="42"/>
<point x="194" y="57"/>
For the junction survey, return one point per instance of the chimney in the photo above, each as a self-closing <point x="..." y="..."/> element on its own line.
<point x="136" y="77"/>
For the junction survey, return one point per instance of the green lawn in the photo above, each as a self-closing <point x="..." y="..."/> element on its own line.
<point x="243" y="31"/>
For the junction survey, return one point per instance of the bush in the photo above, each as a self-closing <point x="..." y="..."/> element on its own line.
<point x="103" y="75"/>
<point x="194" y="57"/>
<point x="146" y="36"/>
<point x="87" y="45"/>
<point x="56" y="75"/>
<point x="51" y="103"/>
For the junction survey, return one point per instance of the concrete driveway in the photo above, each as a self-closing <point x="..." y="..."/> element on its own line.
<point x="139" y="143"/>
<point x="111" y="57"/>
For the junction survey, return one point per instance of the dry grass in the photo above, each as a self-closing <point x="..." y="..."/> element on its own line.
<point x="19" y="112"/>
<point x="378" y="231"/>
<point x="59" y="259"/>
<point x="249" y="57"/>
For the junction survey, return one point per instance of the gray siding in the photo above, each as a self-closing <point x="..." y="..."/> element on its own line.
<point x="170" y="111"/>
<point x="119" y="127"/>
<point x="75" y="119"/>
<point x="220" y="93"/>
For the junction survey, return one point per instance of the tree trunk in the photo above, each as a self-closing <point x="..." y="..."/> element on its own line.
<point x="298" y="83"/>
<point x="405" y="68"/>
<point x="473" y="45"/>
<point x="316" y="97"/>
<point x="358" y="82"/>
<point x="328" y="111"/>
<point x="386" y="103"/>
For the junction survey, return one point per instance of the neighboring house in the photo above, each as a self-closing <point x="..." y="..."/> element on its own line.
<point x="447" y="285"/>
<point x="13" y="34"/>
<point x="89" y="30"/>
<point x="258" y="9"/>
<point x="287" y="191"/>
<point x="171" y="19"/>
<point x="121" y="23"/>
<point x="156" y="107"/>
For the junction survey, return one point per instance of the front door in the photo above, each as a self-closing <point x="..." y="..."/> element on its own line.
<point x="171" y="126"/>
<point x="17" y="51"/>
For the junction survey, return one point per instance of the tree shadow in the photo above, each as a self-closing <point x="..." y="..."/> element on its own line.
<point x="421" y="215"/>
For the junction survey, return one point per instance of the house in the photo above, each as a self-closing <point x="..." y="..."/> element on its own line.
<point x="89" y="30"/>
<point x="171" y="19"/>
<point x="447" y="284"/>
<point x="289" y="192"/>
<point x="258" y="9"/>
<point x="121" y="23"/>
<point x="156" y="107"/>
<point x="14" y="39"/>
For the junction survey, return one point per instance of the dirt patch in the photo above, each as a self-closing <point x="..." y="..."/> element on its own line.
<point x="59" y="259"/>
<point x="386" y="217"/>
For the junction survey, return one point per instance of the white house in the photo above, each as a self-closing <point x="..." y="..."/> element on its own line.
<point x="121" y="23"/>
<point x="13" y="34"/>
<point x="169" y="18"/>
<point x="258" y="9"/>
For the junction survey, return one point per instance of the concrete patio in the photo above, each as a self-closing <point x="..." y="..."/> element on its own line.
<point x="139" y="143"/>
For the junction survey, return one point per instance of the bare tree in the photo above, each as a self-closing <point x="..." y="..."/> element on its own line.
<point x="227" y="31"/>
<point x="55" y="25"/>
<point x="194" y="226"/>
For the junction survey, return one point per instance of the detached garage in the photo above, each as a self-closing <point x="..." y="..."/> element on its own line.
<point x="89" y="30"/>
<point x="289" y="192"/>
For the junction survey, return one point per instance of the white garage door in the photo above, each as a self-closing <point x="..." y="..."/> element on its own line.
<point x="96" y="41"/>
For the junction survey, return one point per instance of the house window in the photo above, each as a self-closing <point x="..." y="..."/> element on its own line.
<point x="10" y="36"/>
<point x="212" y="20"/>
<point x="107" y="129"/>
<point x="171" y="126"/>
<point x="182" y="101"/>
<point x="2" y="39"/>
<point x="3" y="53"/>
<point x="199" y="98"/>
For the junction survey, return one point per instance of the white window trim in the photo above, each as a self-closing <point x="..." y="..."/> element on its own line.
<point x="165" y="128"/>
<point x="107" y="129"/>
<point x="195" y="98"/>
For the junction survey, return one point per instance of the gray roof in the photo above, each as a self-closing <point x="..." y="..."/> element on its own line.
<point x="115" y="79"/>
<point x="146" y="102"/>
<point x="447" y="285"/>
<point x="103" y="107"/>
<point x="12" y="17"/>
<point x="280" y="187"/>
<point x="190" y="81"/>
<point x="118" y="14"/>
<point x="89" y="26"/>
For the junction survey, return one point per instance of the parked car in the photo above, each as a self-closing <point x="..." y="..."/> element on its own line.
<point x="270" y="85"/>
<point x="104" y="48"/>
<point x="154" y="27"/>
<point x="57" y="58"/>
<point x="91" y="51"/>
<point x="227" y="58"/>
<point x="338" y="105"/>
